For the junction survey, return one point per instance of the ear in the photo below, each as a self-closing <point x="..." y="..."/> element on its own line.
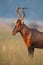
<point x="15" y="21"/>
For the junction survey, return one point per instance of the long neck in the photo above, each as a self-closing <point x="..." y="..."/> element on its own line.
<point x="24" y="30"/>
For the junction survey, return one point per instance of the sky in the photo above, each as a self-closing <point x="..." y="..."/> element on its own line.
<point x="35" y="11"/>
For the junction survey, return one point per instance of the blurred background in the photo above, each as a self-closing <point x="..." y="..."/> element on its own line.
<point x="13" y="50"/>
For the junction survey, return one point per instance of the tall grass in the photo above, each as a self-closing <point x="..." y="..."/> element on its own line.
<point x="13" y="50"/>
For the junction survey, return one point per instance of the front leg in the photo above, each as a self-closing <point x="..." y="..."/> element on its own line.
<point x="31" y="50"/>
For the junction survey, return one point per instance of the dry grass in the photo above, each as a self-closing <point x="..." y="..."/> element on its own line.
<point x="13" y="51"/>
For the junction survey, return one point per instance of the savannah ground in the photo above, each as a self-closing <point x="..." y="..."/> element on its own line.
<point x="13" y="50"/>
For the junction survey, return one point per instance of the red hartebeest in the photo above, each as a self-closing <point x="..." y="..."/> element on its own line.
<point x="32" y="37"/>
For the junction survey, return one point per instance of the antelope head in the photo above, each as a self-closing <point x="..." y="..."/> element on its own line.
<point x="18" y="27"/>
<point x="19" y="22"/>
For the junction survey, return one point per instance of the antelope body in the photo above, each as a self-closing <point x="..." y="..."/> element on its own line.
<point x="32" y="37"/>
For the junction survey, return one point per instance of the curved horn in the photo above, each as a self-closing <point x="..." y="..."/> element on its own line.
<point x="23" y="14"/>
<point x="18" y="12"/>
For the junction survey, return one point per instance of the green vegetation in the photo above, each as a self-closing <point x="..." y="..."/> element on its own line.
<point x="13" y="50"/>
